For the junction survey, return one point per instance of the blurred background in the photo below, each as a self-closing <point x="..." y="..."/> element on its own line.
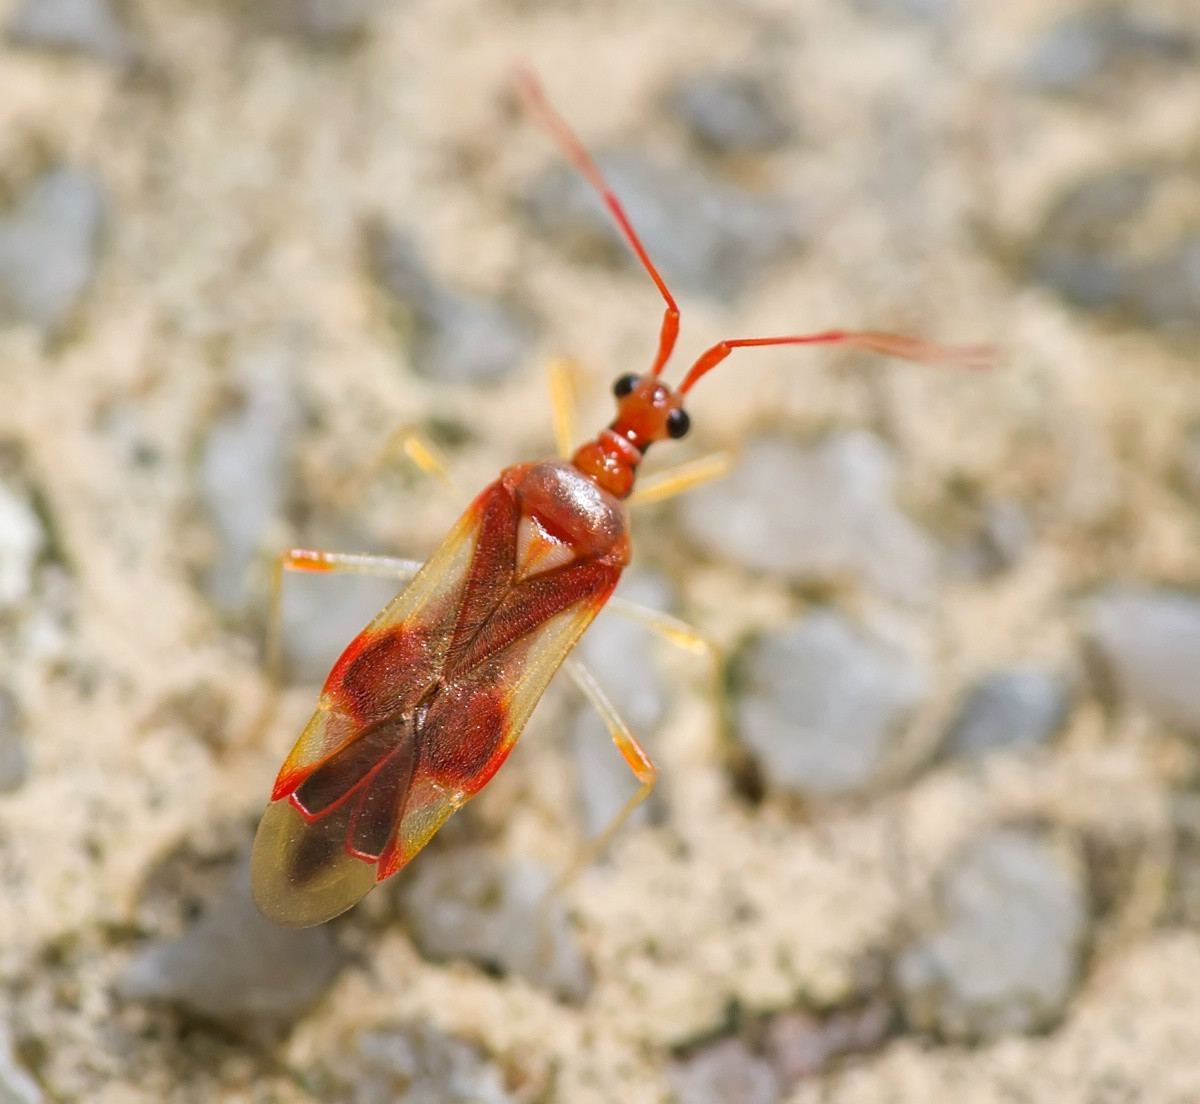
<point x="937" y="836"/>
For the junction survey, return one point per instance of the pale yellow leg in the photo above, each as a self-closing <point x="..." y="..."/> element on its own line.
<point x="422" y="452"/>
<point x="635" y="755"/>
<point x="671" y="629"/>
<point x="562" y="404"/>
<point x="673" y="481"/>
<point x="311" y="559"/>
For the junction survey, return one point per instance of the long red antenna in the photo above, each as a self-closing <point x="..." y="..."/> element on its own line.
<point x="534" y="100"/>
<point x="907" y="348"/>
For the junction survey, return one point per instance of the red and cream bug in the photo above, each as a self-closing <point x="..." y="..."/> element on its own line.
<point x="426" y="703"/>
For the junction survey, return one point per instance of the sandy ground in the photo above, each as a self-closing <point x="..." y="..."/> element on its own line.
<point x="239" y="168"/>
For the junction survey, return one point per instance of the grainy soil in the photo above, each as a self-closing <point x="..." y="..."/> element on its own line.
<point x="219" y="385"/>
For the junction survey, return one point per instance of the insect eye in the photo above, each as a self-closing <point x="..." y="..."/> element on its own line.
<point x="624" y="385"/>
<point x="678" y="423"/>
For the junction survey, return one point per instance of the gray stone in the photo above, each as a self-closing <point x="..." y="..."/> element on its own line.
<point x="49" y="245"/>
<point x="236" y="967"/>
<point x="319" y="23"/>
<point x="1088" y="249"/>
<point x="730" y="112"/>
<point x="801" y="1045"/>
<point x="16" y="1086"/>
<point x="321" y="613"/>
<point x="1093" y="45"/>
<point x="22" y="539"/>
<point x="935" y="12"/>
<point x="91" y="27"/>
<point x="1006" y="958"/>
<point x="1184" y="901"/>
<point x="1003" y="538"/>
<point x="819" y="705"/>
<point x="724" y="1072"/>
<point x="705" y="236"/>
<point x="816" y="514"/>
<point x="457" y="337"/>
<point x="468" y="903"/>
<point x="14" y="759"/>
<point x="1021" y="707"/>
<point x="417" y="1064"/>
<point x="1148" y="643"/>
<point x="245" y="468"/>
<point x="620" y="653"/>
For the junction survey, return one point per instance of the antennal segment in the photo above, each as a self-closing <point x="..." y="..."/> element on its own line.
<point x="534" y="100"/>
<point x="906" y="348"/>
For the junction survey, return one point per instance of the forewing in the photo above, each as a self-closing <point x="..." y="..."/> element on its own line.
<point x="342" y="786"/>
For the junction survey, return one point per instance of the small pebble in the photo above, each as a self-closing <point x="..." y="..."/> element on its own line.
<point x="322" y="613"/>
<point x="1090" y="46"/>
<point x="458" y="338"/>
<point x="1089" y="247"/>
<point x="1007" y="957"/>
<point x="245" y="469"/>
<point x="935" y="12"/>
<point x="468" y="903"/>
<point x="730" y="112"/>
<point x="16" y="1086"/>
<point x="801" y="1045"/>
<point x="90" y="27"/>
<point x="236" y="967"/>
<point x="1148" y="644"/>
<point x="725" y="1072"/>
<point x="819" y="704"/>
<point x="1021" y="707"/>
<point x="706" y="236"/>
<point x="22" y="539"/>
<point x="49" y="246"/>
<point x="417" y="1064"/>
<point x="837" y="518"/>
<point x="14" y="759"/>
<point x="620" y="653"/>
<point x="1185" y="858"/>
<point x="320" y="23"/>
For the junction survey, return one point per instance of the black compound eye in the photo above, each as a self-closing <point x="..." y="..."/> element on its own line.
<point x="625" y="384"/>
<point x="678" y="423"/>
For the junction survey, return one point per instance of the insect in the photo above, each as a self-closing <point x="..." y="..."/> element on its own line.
<point x="426" y="703"/>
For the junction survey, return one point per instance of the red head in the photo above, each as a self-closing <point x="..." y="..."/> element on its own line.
<point x="647" y="411"/>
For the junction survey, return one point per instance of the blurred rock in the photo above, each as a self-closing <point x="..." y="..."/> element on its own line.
<point x="91" y="27"/>
<point x="936" y="12"/>
<point x="801" y="1045"/>
<point x="245" y="468"/>
<point x="819" y="703"/>
<point x="22" y="539"/>
<point x="1148" y="645"/>
<point x="322" y="613"/>
<point x="1003" y="538"/>
<point x="16" y="1086"/>
<point x="1093" y="246"/>
<point x="706" y="237"/>
<point x="320" y="23"/>
<point x="468" y="903"/>
<point x="236" y="967"/>
<point x="49" y="245"/>
<point x="1184" y="901"/>
<point x="457" y="338"/>
<point x="724" y="1072"/>
<point x="730" y="112"/>
<point x="1100" y="43"/>
<point x="815" y="514"/>
<point x="1021" y="707"/>
<point x="1007" y="957"/>
<point x="417" y="1064"/>
<point x="1187" y="467"/>
<point x="14" y="760"/>
<point x="620" y="653"/>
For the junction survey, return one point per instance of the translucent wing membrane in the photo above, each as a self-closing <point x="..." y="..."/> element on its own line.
<point x="419" y="713"/>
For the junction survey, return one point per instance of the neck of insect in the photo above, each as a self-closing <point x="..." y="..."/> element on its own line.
<point x="610" y="461"/>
